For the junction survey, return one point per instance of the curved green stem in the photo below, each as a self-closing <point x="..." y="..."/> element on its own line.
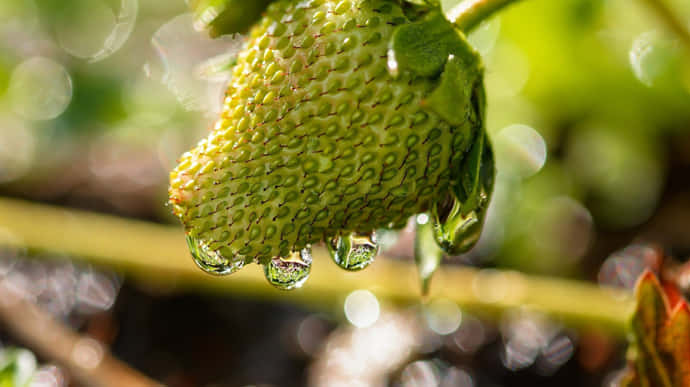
<point x="157" y="256"/>
<point x="469" y="13"/>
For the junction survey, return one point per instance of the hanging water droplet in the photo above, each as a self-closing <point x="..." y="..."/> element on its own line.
<point x="211" y="261"/>
<point x="355" y="251"/>
<point x="454" y="231"/>
<point x="290" y="272"/>
<point x="427" y="254"/>
<point x="457" y="221"/>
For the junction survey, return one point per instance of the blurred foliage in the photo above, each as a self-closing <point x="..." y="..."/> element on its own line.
<point x="17" y="367"/>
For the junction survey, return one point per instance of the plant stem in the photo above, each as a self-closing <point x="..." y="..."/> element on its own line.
<point x="672" y="21"/>
<point x="469" y="13"/>
<point x="84" y="358"/>
<point x="157" y="256"/>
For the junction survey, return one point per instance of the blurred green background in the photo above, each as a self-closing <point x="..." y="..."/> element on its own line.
<point x="589" y="111"/>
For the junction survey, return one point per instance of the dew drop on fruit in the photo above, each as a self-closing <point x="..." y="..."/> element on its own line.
<point x="289" y="272"/>
<point x="211" y="261"/>
<point x="427" y="253"/>
<point x="355" y="251"/>
<point x="454" y="231"/>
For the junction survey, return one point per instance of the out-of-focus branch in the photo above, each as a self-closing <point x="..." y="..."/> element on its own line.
<point x="672" y="21"/>
<point x="157" y="255"/>
<point x="86" y="360"/>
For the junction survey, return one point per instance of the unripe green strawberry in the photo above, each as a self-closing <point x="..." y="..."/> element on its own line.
<point x="342" y="116"/>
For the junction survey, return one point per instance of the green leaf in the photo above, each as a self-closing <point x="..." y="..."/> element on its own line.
<point x="659" y="353"/>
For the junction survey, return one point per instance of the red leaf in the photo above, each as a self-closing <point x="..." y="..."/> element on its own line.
<point x="659" y="354"/>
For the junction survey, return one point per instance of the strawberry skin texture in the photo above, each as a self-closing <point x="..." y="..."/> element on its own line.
<point x="316" y="138"/>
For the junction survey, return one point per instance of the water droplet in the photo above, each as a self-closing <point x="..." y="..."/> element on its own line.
<point x="212" y="261"/>
<point x="456" y="233"/>
<point x="457" y="220"/>
<point x="355" y="251"/>
<point x="427" y="254"/>
<point x="40" y="89"/>
<point x="290" y="272"/>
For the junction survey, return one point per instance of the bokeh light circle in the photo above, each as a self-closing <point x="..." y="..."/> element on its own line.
<point x="520" y="150"/>
<point x="40" y="89"/>
<point x="362" y="308"/>
<point x="443" y="316"/>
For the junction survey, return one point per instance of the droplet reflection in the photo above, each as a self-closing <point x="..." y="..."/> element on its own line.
<point x="211" y="261"/>
<point x="355" y="251"/>
<point x="290" y="272"/>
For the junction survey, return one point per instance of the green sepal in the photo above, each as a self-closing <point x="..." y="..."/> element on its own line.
<point x="458" y="85"/>
<point x="423" y="47"/>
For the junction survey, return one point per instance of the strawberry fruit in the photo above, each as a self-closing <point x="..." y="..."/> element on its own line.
<point x="342" y="117"/>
